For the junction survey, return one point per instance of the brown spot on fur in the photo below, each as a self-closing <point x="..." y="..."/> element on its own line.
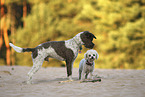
<point x="35" y="54"/>
<point x="61" y="49"/>
<point x="58" y="46"/>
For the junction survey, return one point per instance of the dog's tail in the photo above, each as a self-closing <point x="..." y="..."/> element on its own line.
<point x="20" y="50"/>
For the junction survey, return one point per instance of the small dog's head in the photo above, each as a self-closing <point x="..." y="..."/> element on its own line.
<point x="91" y="55"/>
<point x="87" y="39"/>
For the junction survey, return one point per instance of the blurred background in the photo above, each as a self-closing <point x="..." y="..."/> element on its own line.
<point x="119" y="26"/>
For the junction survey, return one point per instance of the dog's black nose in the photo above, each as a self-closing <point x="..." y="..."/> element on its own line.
<point x="92" y="57"/>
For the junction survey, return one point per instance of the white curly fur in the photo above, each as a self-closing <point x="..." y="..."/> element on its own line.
<point x="84" y="68"/>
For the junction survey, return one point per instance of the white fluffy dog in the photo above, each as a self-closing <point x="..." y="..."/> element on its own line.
<point x="86" y="65"/>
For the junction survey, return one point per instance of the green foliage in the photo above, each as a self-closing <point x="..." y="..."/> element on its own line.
<point x="118" y="25"/>
<point x="126" y="39"/>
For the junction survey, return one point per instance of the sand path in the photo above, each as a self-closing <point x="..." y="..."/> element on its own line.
<point x="115" y="83"/>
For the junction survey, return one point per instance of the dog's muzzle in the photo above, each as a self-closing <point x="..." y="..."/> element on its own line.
<point x="90" y="46"/>
<point x="92" y="57"/>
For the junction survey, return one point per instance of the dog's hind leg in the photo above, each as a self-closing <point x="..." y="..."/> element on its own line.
<point x="37" y="63"/>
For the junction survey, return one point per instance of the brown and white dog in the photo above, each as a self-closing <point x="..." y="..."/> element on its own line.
<point x="62" y="50"/>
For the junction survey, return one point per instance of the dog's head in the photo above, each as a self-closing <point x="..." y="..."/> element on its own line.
<point x="91" y="55"/>
<point x="87" y="39"/>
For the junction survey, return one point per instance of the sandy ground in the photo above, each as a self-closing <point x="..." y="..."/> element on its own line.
<point x="115" y="83"/>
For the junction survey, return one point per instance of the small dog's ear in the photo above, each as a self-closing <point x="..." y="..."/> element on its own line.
<point x="97" y="55"/>
<point x="85" y="56"/>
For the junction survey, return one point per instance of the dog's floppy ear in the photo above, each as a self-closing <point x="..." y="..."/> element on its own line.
<point x="97" y="55"/>
<point x="93" y="36"/>
<point x="88" y="34"/>
<point x="85" y="56"/>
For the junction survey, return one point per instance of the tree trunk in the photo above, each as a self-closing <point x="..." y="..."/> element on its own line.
<point x="13" y="29"/>
<point x="1" y="39"/>
<point x="4" y="32"/>
<point x="24" y="11"/>
<point x="1" y="31"/>
<point x="7" y="45"/>
<point x="13" y="41"/>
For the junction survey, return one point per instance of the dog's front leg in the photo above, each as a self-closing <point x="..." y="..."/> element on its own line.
<point x="83" y="76"/>
<point x="69" y="70"/>
<point x="91" y="75"/>
<point x="86" y="76"/>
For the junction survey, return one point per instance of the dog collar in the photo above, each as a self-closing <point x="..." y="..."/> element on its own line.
<point x="89" y="63"/>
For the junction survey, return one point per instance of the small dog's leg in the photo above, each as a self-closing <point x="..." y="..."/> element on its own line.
<point x="91" y="75"/>
<point x="83" y="76"/>
<point x="86" y="76"/>
<point x="80" y="73"/>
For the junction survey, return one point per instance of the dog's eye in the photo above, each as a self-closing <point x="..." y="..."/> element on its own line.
<point x="89" y="55"/>
<point x="93" y="54"/>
